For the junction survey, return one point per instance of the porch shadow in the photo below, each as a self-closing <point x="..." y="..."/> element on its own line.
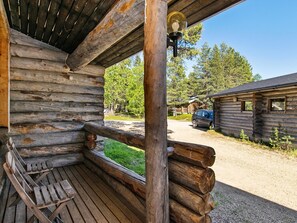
<point x="235" y="206"/>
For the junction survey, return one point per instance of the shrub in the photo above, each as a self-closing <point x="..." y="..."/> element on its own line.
<point x="280" y="139"/>
<point x="243" y="136"/>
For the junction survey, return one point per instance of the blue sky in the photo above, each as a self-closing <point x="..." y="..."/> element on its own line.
<point x="264" y="31"/>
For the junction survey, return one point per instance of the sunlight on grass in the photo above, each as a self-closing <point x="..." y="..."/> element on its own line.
<point x="122" y="118"/>
<point x="129" y="157"/>
<point x="183" y="117"/>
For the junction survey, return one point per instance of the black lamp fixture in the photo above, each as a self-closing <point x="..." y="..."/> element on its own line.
<point x="176" y="24"/>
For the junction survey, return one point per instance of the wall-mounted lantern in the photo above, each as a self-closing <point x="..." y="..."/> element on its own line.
<point x="176" y="24"/>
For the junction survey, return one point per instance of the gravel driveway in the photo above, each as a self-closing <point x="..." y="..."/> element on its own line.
<point x="253" y="185"/>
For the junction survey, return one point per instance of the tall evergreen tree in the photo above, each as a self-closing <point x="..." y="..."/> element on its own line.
<point x="218" y="68"/>
<point x="177" y="92"/>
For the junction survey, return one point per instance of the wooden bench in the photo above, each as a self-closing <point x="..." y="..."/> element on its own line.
<point x="39" y="199"/>
<point x="38" y="168"/>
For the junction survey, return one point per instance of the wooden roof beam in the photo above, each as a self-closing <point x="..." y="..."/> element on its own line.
<point x="125" y="16"/>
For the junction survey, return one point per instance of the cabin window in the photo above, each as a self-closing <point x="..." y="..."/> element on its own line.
<point x="246" y="106"/>
<point x="277" y="104"/>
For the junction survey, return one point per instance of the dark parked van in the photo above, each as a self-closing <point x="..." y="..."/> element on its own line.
<point x="203" y="118"/>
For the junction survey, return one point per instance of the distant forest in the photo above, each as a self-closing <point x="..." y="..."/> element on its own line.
<point x="216" y="68"/>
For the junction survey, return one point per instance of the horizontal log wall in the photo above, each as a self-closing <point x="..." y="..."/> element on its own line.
<point x="231" y="119"/>
<point x="286" y="119"/>
<point x="190" y="178"/>
<point x="49" y="103"/>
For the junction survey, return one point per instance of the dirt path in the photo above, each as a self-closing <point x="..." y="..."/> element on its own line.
<point x="253" y="185"/>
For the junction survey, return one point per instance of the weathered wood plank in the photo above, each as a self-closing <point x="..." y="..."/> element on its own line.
<point x="198" y="203"/>
<point x="131" y="180"/>
<point x="42" y="15"/>
<point x="187" y="152"/>
<point x="57" y="78"/>
<point x="50" y="150"/>
<point x="125" y="16"/>
<point x="32" y="12"/>
<point x="194" y="202"/>
<point x="33" y="140"/>
<point x="134" y="201"/>
<point x="60" y="160"/>
<point x="58" y="97"/>
<point x="57" y="88"/>
<point x="37" y="52"/>
<point x="14" y="14"/>
<point x="38" y="64"/>
<point x="16" y="129"/>
<point x="99" y="12"/>
<point x="198" y="179"/>
<point x="4" y="68"/>
<point x="70" y="21"/>
<point x="32" y="106"/>
<point x="120" y="210"/>
<point x="37" y="117"/>
<point x="63" y="13"/>
<point x="86" y="199"/>
<point x="51" y="18"/>
<point x="86" y="12"/>
<point x="22" y="39"/>
<point x="24" y="15"/>
<point x="179" y="213"/>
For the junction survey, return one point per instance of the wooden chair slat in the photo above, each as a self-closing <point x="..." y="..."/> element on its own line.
<point x="44" y="166"/>
<point x="62" y="195"/>
<point x="49" y="164"/>
<point x="53" y="193"/>
<point x="67" y="188"/>
<point x="46" y="195"/>
<point x="39" y="166"/>
<point x="34" y="167"/>
<point x="38" y="196"/>
<point x="29" y="167"/>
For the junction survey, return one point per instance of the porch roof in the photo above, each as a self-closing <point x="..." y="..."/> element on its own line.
<point x="65" y="24"/>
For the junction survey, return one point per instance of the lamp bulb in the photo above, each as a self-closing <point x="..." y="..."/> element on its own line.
<point x="175" y="26"/>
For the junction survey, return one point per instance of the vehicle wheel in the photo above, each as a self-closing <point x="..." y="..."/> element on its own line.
<point x="194" y="122"/>
<point x="211" y="125"/>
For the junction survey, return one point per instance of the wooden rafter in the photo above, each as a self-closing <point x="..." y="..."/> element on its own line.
<point x="125" y="16"/>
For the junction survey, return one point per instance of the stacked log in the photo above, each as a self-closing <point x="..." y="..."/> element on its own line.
<point x="49" y="103"/>
<point x="190" y="178"/>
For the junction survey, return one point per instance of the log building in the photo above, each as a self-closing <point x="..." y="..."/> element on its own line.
<point x="258" y="107"/>
<point x="53" y="56"/>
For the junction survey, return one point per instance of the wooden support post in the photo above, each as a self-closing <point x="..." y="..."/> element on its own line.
<point x="155" y="31"/>
<point x="4" y="68"/>
<point x="257" y="116"/>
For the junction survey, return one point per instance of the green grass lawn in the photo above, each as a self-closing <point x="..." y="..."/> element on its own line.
<point x="122" y="118"/>
<point x="183" y="117"/>
<point x="129" y="157"/>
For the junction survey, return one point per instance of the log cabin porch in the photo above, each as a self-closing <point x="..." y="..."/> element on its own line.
<point x="53" y="59"/>
<point x="96" y="201"/>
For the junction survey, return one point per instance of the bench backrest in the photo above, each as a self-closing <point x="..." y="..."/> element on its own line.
<point x="17" y="171"/>
<point x="11" y="146"/>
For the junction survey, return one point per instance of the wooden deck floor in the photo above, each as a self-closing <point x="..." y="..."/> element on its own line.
<point x="94" y="202"/>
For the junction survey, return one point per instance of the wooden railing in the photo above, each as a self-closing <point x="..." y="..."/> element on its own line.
<point x="190" y="178"/>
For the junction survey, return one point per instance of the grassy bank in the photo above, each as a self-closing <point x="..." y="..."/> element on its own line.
<point x="122" y="118"/>
<point x="129" y="157"/>
<point x="183" y="117"/>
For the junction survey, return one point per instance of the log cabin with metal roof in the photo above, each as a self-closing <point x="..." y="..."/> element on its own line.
<point x="53" y="58"/>
<point x="258" y="107"/>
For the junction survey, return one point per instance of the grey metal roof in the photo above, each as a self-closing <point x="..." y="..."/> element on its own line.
<point x="272" y="83"/>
